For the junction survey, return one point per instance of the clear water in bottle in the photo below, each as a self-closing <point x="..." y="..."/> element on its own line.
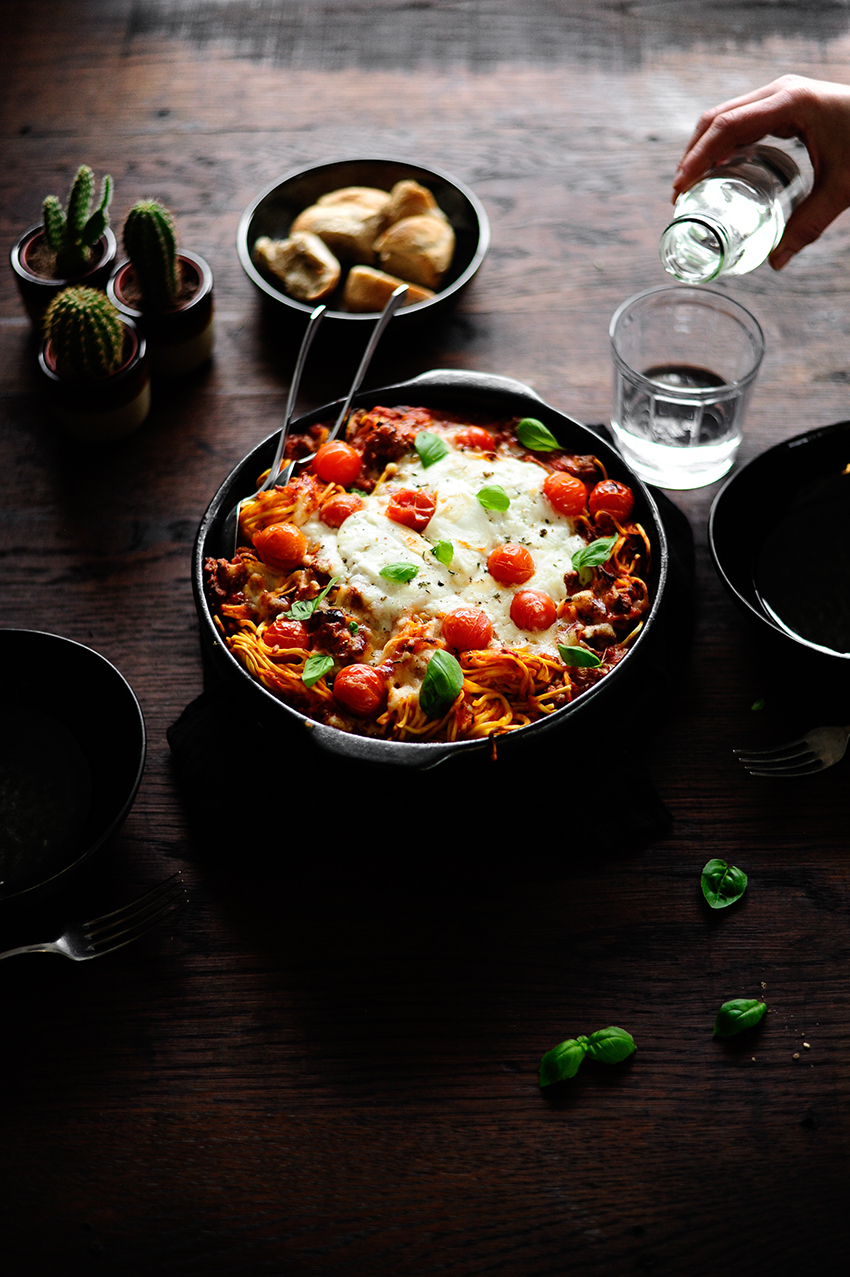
<point x="730" y="221"/>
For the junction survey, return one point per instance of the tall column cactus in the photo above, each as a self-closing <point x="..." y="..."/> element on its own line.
<point x="72" y="232"/>
<point x="150" y="241"/>
<point x="86" y="334"/>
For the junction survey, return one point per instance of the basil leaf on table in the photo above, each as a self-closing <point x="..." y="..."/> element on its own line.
<point x="441" y="685"/>
<point x="399" y="571"/>
<point x="722" y="884"/>
<point x="303" y="609"/>
<point x="431" y="447"/>
<point x="578" y="656"/>
<point x="609" y="1046"/>
<point x="443" y="552"/>
<point x="534" y="435"/>
<point x="493" y="498"/>
<point x="315" y="667"/>
<point x="562" y="1061"/>
<point x="737" y="1015"/>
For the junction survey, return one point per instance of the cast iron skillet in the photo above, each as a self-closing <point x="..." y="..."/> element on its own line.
<point x="448" y="389"/>
<point x="787" y="510"/>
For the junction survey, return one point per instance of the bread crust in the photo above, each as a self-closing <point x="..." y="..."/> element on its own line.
<point x="303" y="263"/>
<point x="418" y="249"/>
<point x="367" y="289"/>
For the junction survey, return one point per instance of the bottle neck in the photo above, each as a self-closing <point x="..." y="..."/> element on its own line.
<point x="694" y="249"/>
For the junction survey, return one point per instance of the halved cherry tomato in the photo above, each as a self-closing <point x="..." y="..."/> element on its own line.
<point x="533" y="610"/>
<point x="337" y="508"/>
<point x="337" y="462"/>
<point x="360" y="689"/>
<point x="467" y="629"/>
<point x="281" y="545"/>
<point x="475" y="437"/>
<point x="511" y="564"/>
<point x="286" y="634"/>
<point x="565" y="493"/>
<point x="412" y="507"/>
<point x="611" y="497"/>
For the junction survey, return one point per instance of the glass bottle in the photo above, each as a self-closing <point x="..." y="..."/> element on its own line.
<point x="731" y="220"/>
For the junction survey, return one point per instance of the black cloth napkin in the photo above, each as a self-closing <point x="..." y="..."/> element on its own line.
<point x="549" y="800"/>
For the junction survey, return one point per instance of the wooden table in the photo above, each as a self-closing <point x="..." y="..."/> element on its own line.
<point x="317" y="1071"/>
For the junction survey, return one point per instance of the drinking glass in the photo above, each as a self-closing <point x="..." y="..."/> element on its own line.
<point x="685" y="361"/>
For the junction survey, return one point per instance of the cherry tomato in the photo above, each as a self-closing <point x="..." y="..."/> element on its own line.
<point x="412" y="507"/>
<point x="337" y="508"/>
<point x="510" y="564"/>
<point x="467" y="629"/>
<point x="286" y="634"/>
<point x="337" y="462"/>
<point x="281" y="545"/>
<point x="565" y="493"/>
<point x="611" y="497"/>
<point x="475" y="437"/>
<point x="533" y="610"/>
<point x="360" y="689"/>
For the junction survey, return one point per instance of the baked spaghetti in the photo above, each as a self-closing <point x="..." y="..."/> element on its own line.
<point x="432" y="577"/>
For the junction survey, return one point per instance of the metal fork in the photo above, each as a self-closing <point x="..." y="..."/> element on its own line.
<point x="93" y="939"/>
<point x="814" y="752"/>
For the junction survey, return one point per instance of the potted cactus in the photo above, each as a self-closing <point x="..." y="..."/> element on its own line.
<point x="74" y="244"/>
<point x="93" y="367"/>
<point x="165" y="290"/>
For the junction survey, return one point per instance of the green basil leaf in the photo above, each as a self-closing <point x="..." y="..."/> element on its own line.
<point x="493" y="498"/>
<point x="441" y="685"/>
<point x="737" y="1015"/>
<point x="610" y="1045"/>
<point x="302" y="609"/>
<point x="430" y="447"/>
<point x="534" y="435"/>
<point x="757" y="705"/>
<point x="591" y="556"/>
<point x="315" y="667"/>
<point x="562" y="1061"/>
<point x="353" y="627"/>
<point x="722" y="884"/>
<point x="578" y="656"/>
<point x="443" y="552"/>
<point x="399" y="571"/>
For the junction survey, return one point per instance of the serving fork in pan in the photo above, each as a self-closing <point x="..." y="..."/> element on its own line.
<point x="809" y="754"/>
<point x="276" y="477"/>
<point x="112" y="931"/>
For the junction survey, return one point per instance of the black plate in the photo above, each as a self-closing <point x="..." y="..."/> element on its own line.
<point x="72" y="753"/>
<point x="777" y="534"/>
<point x="274" y="210"/>
<point x="448" y="389"/>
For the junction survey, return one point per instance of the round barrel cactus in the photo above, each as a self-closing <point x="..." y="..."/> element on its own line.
<point x="86" y="334"/>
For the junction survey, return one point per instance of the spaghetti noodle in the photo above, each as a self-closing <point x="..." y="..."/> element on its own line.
<point x="433" y="578"/>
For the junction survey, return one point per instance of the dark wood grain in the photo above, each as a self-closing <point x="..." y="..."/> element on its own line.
<point x="328" y="1063"/>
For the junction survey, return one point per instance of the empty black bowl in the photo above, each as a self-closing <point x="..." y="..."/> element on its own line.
<point x="274" y="210"/>
<point x="72" y="753"/>
<point x="778" y="537"/>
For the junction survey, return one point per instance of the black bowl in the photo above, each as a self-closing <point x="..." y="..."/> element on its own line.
<point x="72" y="742"/>
<point x="274" y="210"/>
<point x="450" y="390"/>
<point x="777" y="532"/>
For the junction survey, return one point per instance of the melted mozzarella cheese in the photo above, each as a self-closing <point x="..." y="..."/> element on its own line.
<point x="368" y="541"/>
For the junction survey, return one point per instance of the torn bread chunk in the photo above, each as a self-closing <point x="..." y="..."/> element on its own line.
<point x="303" y="263"/>
<point x="409" y="199"/>
<point x="367" y="289"/>
<point x="348" y="228"/>
<point x="418" y="249"/>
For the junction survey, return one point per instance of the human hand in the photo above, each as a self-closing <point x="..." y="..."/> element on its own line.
<point x="815" y="111"/>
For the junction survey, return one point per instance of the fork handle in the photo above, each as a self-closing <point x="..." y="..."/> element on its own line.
<point x="48" y="947"/>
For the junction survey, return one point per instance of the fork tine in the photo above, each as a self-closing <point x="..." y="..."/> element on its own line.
<point x="151" y="909"/>
<point x="136" y="906"/>
<point x="776" y="760"/>
<point x="139" y="929"/>
<point x="810" y="768"/>
<point x="781" y="751"/>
